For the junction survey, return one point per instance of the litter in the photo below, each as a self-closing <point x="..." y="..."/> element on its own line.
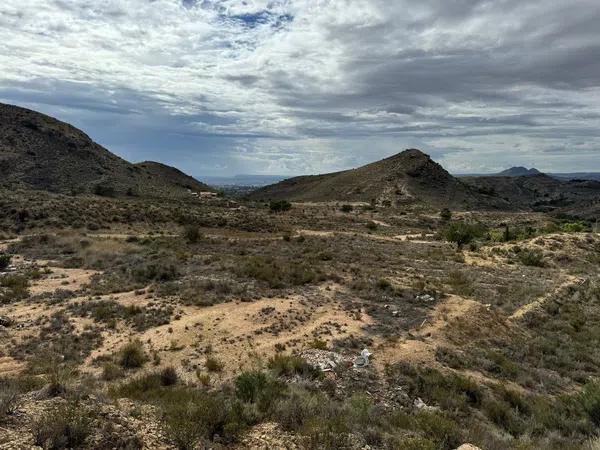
<point x="362" y="360"/>
<point x="425" y="298"/>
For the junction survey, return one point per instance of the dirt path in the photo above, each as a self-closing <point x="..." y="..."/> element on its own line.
<point x="420" y="349"/>
<point x="523" y="310"/>
<point x="238" y="334"/>
<point x="396" y="238"/>
<point x="61" y="278"/>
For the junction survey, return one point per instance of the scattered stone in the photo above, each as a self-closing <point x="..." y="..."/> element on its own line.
<point x="325" y="360"/>
<point x="422" y="406"/>
<point x="468" y="447"/>
<point x="425" y="298"/>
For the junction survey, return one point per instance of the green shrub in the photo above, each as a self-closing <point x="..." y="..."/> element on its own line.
<point x="442" y="430"/>
<point x="289" y="365"/>
<point x="279" y="274"/>
<point x="372" y="226"/>
<point x="503" y="415"/>
<point x="9" y="399"/>
<point x="132" y="355"/>
<point x="318" y="344"/>
<point x="590" y="399"/>
<point x="63" y="427"/>
<point x="190" y="416"/>
<point x="445" y="214"/>
<point x="460" y="283"/>
<point x="139" y="387"/>
<point x="111" y="372"/>
<point x="574" y="227"/>
<point x="168" y="376"/>
<point x="280" y="205"/>
<point x="462" y="233"/>
<point x="257" y="387"/>
<point x="213" y="364"/>
<point x="13" y="288"/>
<point x="192" y="234"/>
<point x="5" y="261"/>
<point x="531" y="258"/>
<point x="346" y="208"/>
<point x="383" y="284"/>
<point x="414" y="443"/>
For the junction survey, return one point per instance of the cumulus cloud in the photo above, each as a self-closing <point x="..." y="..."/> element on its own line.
<point x="304" y="86"/>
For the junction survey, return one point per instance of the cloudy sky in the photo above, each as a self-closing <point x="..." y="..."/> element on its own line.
<point x="220" y="87"/>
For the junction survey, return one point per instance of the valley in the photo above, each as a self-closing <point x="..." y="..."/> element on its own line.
<point x="166" y="320"/>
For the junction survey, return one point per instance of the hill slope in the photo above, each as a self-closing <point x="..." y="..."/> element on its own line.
<point x="543" y="193"/>
<point x="519" y="172"/>
<point x="40" y="152"/>
<point x="410" y="176"/>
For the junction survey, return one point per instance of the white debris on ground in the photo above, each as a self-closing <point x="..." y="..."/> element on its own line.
<point x="425" y="298"/>
<point x="325" y="360"/>
<point x="362" y="360"/>
<point x="328" y="361"/>
<point x="421" y="405"/>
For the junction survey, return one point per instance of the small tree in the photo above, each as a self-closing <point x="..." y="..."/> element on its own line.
<point x="280" y="205"/>
<point x="462" y="233"/>
<point x="346" y="208"/>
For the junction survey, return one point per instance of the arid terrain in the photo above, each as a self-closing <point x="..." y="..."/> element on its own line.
<point x="189" y="322"/>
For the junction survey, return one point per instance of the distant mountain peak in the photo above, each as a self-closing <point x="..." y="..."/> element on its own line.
<point x="519" y="171"/>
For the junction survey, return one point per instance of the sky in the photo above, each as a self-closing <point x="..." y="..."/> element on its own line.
<point x="222" y="87"/>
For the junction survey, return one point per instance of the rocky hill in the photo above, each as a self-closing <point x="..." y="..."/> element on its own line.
<point x="519" y="172"/>
<point x="408" y="177"/>
<point x="40" y="152"/>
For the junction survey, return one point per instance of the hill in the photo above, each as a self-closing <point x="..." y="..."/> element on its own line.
<point x="408" y="177"/>
<point x="519" y="172"/>
<point x="543" y="193"/>
<point x="43" y="153"/>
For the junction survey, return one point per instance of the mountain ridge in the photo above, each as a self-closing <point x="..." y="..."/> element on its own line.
<point x="40" y="152"/>
<point x="407" y="177"/>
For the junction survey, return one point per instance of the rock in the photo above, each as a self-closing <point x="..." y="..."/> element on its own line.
<point x="325" y="360"/>
<point x="421" y="405"/>
<point x="425" y="298"/>
<point x="468" y="447"/>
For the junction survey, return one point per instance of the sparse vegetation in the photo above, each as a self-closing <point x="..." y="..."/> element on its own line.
<point x="213" y="364"/>
<point x="235" y="320"/>
<point x="531" y="258"/>
<point x="132" y="355"/>
<point x="280" y="205"/>
<point x="462" y="233"/>
<point x="64" y="427"/>
<point x="445" y="214"/>
<point x="192" y="234"/>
